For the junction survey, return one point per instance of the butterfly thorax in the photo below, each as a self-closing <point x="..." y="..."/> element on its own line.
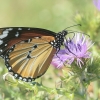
<point x="59" y="39"/>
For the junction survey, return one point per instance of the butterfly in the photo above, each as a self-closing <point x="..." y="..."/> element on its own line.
<point x="27" y="51"/>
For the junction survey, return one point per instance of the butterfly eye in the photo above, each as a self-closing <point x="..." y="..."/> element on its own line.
<point x="64" y="32"/>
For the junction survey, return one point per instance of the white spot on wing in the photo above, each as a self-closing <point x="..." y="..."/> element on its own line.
<point x="36" y="37"/>
<point x="9" y="68"/>
<point x="17" y="34"/>
<point x="51" y="42"/>
<point x="28" y="29"/>
<point x="16" y="75"/>
<point x="4" y="34"/>
<point x="19" y="28"/>
<point x="20" y="78"/>
<point x="9" y="29"/>
<point x="1" y="42"/>
<point x="5" y="44"/>
<point x="24" y="79"/>
<point x="1" y="50"/>
<point x="29" y="80"/>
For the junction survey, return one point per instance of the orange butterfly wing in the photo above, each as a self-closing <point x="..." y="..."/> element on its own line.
<point x="30" y="60"/>
<point x="28" y="53"/>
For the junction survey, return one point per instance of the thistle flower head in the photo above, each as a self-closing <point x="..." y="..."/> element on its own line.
<point x="76" y="49"/>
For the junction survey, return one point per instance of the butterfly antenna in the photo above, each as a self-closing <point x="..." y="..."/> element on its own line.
<point x="73" y="26"/>
<point x="76" y="31"/>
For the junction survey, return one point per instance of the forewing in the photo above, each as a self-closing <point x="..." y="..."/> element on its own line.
<point x="9" y="36"/>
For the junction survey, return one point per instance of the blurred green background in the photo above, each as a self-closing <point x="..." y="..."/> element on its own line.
<point x="54" y="15"/>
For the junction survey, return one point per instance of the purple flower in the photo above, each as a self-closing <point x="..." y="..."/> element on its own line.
<point x="97" y="4"/>
<point x="76" y="49"/>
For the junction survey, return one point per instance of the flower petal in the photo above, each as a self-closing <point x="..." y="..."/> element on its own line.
<point x="75" y="49"/>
